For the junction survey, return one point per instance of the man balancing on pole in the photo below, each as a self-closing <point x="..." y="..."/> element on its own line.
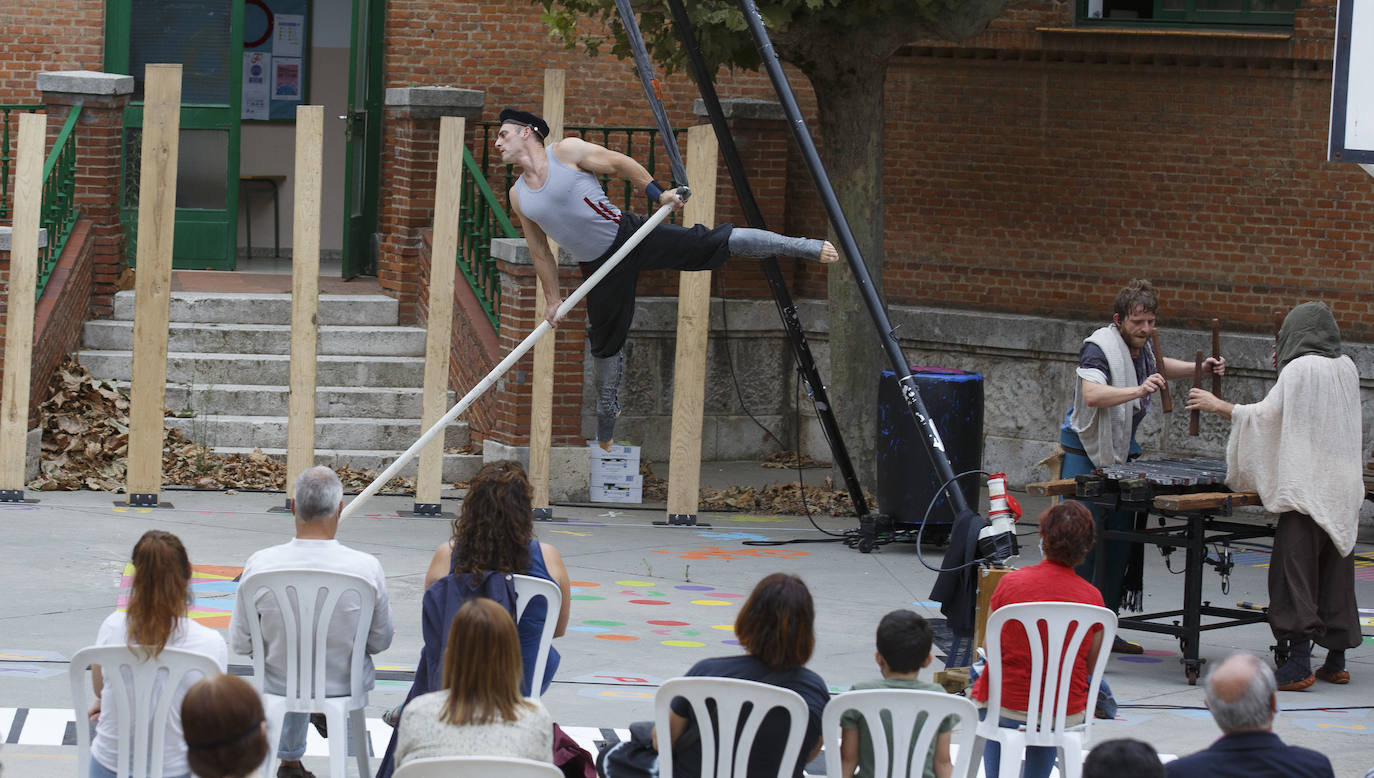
<point x="559" y="196"/>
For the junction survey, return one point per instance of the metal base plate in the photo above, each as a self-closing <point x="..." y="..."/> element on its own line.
<point x="681" y="520"/>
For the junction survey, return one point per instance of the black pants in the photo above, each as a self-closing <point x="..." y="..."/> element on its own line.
<point x="611" y="303"/>
<point x="1311" y="586"/>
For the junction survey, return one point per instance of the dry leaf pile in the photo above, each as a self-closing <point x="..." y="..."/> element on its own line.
<point x="85" y="425"/>
<point x="779" y="499"/>
<point x="775" y="499"/>
<point x="787" y="460"/>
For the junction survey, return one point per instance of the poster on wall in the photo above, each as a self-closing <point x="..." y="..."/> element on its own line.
<point x="275" y="58"/>
<point x="286" y="80"/>
<point x="257" y="66"/>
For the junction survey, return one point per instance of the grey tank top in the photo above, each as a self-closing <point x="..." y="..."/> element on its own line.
<point x="572" y="209"/>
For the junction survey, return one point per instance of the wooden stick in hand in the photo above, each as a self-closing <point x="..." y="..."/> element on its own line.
<point x="1166" y="402"/>
<point x="1197" y="384"/>
<point x="1216" y="352"/>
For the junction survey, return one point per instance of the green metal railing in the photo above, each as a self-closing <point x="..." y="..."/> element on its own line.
<point x="7" y="153"/>
<point x="59" y="212"/>
<point x="481" y="218"/>
<point x="484" y="212"/>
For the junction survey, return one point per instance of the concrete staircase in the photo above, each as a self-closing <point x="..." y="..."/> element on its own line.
<point x="228" y="367"/>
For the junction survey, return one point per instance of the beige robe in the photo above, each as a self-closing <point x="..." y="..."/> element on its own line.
<point x="1299" y="447"/>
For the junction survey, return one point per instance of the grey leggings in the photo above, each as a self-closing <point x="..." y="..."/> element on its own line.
<point x="749" y="242"/>
<point x="609" y="371"/>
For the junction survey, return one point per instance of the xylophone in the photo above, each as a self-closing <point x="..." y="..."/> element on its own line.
<point x="1190" y="490"/>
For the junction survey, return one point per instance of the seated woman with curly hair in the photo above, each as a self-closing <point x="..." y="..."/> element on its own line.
<point x="1066" y="535"/>
<point x="495" y="533"/>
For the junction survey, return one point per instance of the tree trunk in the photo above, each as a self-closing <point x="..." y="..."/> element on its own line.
<point x="849" y="95"/>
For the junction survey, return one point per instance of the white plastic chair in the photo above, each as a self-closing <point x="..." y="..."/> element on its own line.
<point x="528" y="587"/>
<point x="719" y="747"/>
<point x="905" y="707"/>
<point x="477" y="767"/>
<point x="142" y="719"/>
<point x="305" y="598"/>
<point x="1067" y="626"/>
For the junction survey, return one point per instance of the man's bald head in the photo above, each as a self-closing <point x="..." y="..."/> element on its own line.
<point x="1240" y="694"/>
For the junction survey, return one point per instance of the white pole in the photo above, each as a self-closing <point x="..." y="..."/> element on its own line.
<point x="511" y="358"/>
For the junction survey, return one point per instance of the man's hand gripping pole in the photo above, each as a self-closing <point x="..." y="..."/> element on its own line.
<point x="515" y="355"/>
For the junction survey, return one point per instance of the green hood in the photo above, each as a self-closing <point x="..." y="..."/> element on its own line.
<point x="1308" y="329"/>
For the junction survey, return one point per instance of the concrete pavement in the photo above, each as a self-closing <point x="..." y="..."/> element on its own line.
<point x="648" y="602"/>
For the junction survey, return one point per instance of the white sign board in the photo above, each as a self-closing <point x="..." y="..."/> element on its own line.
<point x="1352" y="84"/>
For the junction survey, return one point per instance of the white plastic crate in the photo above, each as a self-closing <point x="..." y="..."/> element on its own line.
<point x="621" y="489"/>
<point x="615" y="494"/>
<point x="617" y="452"/>
<point x="613" y="468"/>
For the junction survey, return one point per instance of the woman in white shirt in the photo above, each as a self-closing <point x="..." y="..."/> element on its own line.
<point x="480" y="711"/>
<point x="156" y="619"/>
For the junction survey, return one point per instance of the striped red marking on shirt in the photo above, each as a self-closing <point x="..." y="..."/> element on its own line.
<point x="603" y="210"/>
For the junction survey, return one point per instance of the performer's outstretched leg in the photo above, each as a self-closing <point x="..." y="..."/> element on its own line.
<point x="749" y="242"/>
<point x="609" y="371"/>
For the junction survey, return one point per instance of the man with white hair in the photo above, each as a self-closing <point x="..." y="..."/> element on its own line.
<point x="1243" y="698"/>
<point x="317" y="505"/>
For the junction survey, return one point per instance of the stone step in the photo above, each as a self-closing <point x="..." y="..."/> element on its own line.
<point x="263" y="369"/>
<point x="197" y="337"/>
<point x="457" y="467"/>
<point x="237" y="308"/>
<point x="347" y="433"/>
<point x="330" y="401"/>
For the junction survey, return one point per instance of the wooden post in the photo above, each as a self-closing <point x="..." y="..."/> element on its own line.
<point x="305" y="294"/>
<point x="1197" y="384"/>
<point x="541" y="388"/>
<point x="448" y="197"/>
<point x="988" y="578"/>
<point x="693" y="325"/>
<point x="23" y="282"/>
<point x="157" y="189"/>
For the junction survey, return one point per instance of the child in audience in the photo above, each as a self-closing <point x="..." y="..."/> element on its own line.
<point x="904" y="640"/>
<point x="226" y="733"/>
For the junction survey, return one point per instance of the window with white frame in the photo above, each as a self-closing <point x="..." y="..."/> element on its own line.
<point x="1267" y="13"/>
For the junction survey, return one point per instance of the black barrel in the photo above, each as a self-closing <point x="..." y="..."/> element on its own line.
<point x="907" y="481"/>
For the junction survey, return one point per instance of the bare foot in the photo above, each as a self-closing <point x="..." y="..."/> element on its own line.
<point x="605" y="444"/>
<point x="828" y="253"/>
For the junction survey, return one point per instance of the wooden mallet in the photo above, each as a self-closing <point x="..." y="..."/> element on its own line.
<point x="1166" y="402"/>
<point x="1197" y="384"/>
<point x="1216" y="353"/>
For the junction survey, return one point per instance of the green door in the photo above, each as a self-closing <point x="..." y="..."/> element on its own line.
<point x="363" y="139"/>
<point x="206" y="38"/>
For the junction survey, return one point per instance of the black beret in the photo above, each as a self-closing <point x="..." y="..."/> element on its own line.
<point x="527" y="119"/>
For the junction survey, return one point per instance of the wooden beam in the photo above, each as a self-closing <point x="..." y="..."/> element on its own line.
<point x="157" y="189"/>
<point x="693" y="326"/>
<point x="1198" y="501"/>
<point x="448" y="198"/>
<point x="1051" y="488"/>
<point x="541" y="387"/>
<point x="20" y="304"/>
<point x="988" y="578"/>
<point x="305" y="293"/>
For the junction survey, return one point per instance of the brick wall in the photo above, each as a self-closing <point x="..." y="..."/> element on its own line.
<point x="61" y="311"/>
<point x="99" y="132"/>
<point x="40" y="35"/>
<point x="410" y="154"/>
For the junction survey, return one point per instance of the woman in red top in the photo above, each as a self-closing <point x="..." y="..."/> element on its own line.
<point x="1066" y="536"/>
